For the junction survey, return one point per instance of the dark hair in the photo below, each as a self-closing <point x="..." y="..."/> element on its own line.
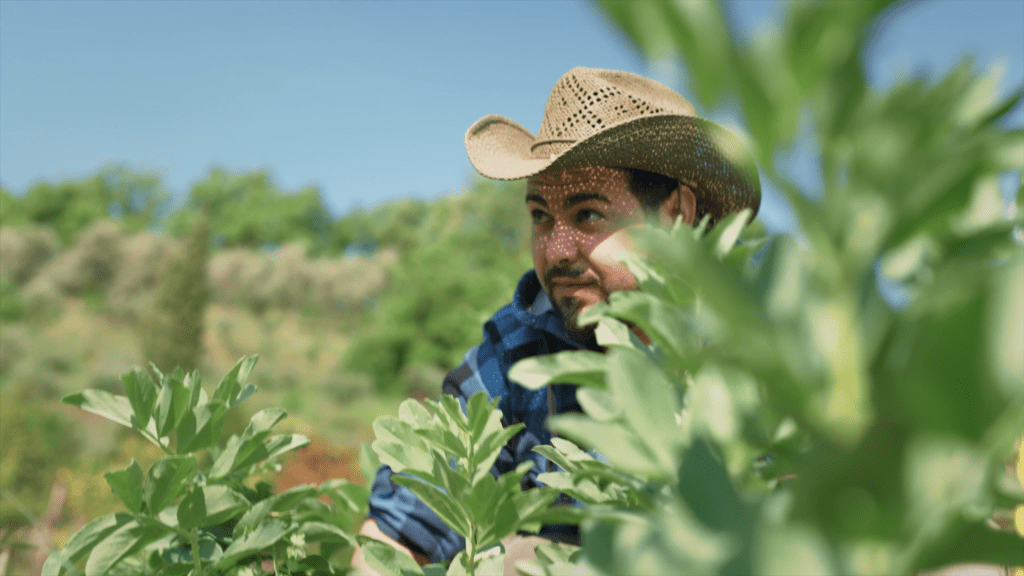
<point x="651" y="189"/>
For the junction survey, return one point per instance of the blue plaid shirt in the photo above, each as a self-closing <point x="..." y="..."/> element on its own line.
<point x="529" y="326"/>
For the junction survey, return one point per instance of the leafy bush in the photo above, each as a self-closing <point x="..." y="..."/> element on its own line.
<point x="24" y="249"/>
<point x="795" y="421"/>
<point x="249" y="210"/>
<point x="469" y="252"/>
<point x="137" y="199"/>
<point x="192" y="512"/>
<point x="444" y="456"/>
<point x="90" y="264"/>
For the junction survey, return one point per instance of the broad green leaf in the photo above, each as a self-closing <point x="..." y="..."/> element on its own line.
<point x="346" y="494"/>
<point x="478" y="411"/>
<point x="398" y="446"/>
<point x="322" y="531"/>
<point x="450" y="410"/>
<point x="200" y="427"/>
<point x="209" y="505"/>
<point x="846" y="408"/>
<point x="286" y="500"/>
<point x="230" y="386"/>
<point x="443" y="441"/>
<point x="675" y="330"/>
<point x="598" y="404"/>
<point x="489" y="449"/>
<point x="244" y="395"/>
<point x="413" y="413"/>
<point x="125" y="541"/>
<point x="942" y="474"/>
<point x="52" y="565"/>
<point x="442" y="504"/>
<point x="617" y="443"/>
<point x="141" y="392"/>
<point x="277" y="445"/>
<point x="387" y="560"/>
<point x="167" y="479"/>
<point x="793" y="550"/>
<point x="452" y="481"/>
<point x="127" y="484"/>
<point x="111" y="406"/>
<point x="723" y="238"/>
<point x="650" y="404"/>
<point x="582" y="367"/>
<point x="612" y="332"/>
<point x="1006" y="328"/>
<point x="368" y="462"/>
<point x="239" y="453"/>
<point x="172" y="402"/>
<point x="249" y="543"/>
<point x="86" y="539"/>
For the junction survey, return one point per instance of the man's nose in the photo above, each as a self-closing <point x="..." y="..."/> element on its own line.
<point x="563" y="244"/>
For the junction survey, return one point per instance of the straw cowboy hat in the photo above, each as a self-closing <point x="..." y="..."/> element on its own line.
<point x="617" y="119"/>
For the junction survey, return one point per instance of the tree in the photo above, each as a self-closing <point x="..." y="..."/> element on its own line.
<point x="173" y="331"/>
<point x="462" y="259"/>
<point x="139" y="199"/>
<point x="249" y="210"/>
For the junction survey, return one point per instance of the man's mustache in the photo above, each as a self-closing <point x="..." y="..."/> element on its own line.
<point x="563" y="271"/>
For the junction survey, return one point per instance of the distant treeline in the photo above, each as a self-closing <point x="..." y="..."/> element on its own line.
<point x="424" y="276"/>
<point x="246" y="209"/>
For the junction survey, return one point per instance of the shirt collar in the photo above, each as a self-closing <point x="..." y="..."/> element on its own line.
<point x="534" y="308"/>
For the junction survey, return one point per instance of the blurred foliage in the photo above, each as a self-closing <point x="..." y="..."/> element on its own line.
<point x="797" y="421"/>
<point x="465" y="257"/>
<point x="193" y="511"/>
<point x="249" y="210"/>
<point x="138" y="199"/>
<point x="27" y="457"/>
<point x="11" y="305"/>
<point x="173" y="332"/>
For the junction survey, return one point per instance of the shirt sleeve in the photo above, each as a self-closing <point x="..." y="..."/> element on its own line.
<point x="402" y="516"/>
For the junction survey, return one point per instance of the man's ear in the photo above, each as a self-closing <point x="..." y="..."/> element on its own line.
<point x="680" y="202"/>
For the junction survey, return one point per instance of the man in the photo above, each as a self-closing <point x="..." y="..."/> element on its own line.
<point x="614" y="151"/>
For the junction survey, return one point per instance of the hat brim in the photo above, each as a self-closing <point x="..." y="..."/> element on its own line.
<point x="701" y="153"/>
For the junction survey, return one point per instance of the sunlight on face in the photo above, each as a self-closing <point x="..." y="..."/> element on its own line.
<point x="580" y="222"/>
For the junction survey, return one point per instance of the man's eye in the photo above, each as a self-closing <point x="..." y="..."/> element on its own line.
<point x="539" y="216"/>
<point x="588" y="216"/>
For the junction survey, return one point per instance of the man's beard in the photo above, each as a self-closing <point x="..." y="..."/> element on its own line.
<point x="570" y="308"/>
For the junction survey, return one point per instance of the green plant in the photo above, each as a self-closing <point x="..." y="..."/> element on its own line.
<point x="444" y="456"/>
<point x="794" y="419"/>
<point x="193" y="511"/>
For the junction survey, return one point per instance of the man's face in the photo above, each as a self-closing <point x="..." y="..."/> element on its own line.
<point x="580" y="221"/>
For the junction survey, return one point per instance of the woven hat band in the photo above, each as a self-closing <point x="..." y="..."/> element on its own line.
<point x="547" y="148"/>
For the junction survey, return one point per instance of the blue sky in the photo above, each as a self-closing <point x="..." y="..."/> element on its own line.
<point x="367" y="100"/>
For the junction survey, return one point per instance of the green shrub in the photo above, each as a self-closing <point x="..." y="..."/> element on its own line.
<point x="193" y="511"/>
<point x="11" y="306"/>
<point x="24" y="250"/>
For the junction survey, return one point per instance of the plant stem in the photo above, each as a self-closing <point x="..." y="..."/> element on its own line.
<point x="145" y="434"/>
<point x="471" y="551"/>
<point x="195" y="552"/>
